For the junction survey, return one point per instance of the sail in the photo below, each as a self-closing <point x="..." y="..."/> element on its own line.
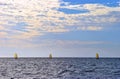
<point x="97" y="56"/>
<point x="15" y="56"/>
<point x="50" y="56"/>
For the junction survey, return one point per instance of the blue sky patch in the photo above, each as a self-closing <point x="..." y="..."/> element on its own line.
<point x="111" y="3"/>
<point x="71" y="11"/>
<point x="20" y="26"/>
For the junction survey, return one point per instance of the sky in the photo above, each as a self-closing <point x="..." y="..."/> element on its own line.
<point x="65" y="28"/>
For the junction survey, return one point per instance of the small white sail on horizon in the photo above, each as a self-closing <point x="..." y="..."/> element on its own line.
<point x="15" y="56"/>
<point x="97" y="56"/>
<point x="50" y="56"/>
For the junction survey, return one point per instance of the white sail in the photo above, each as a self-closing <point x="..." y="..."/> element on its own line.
<point x="97" y="56"/>
<point x="50" y="56"/>
<point x="15" y="56"/>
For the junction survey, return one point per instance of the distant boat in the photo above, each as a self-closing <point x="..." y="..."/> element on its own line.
<point x="50" y="56"/>
<point x="97" y="56"/>
<point x="15" y="56"/>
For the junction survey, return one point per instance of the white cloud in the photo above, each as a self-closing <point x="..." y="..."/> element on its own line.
<point x="92" y="28"/>
<point x="97" y="9"/>
<point x="43" y="16"/>
<point x="18" y="43"/>
<point x="3" y="34"/>
<point x="2" y="28"/>
<point x="92" y="9"/>
<point x="75" y="7"/>
<point x="76" y="42"/>
<point x="118" y="3"/>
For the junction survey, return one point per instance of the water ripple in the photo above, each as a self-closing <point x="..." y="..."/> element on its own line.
<point x="64" y="68"/>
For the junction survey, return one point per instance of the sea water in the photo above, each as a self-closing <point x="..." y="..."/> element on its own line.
<point x="60" y="68"/>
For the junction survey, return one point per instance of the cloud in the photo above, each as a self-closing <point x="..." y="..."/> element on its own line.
<point x="2" y="28"/>
<point x="97" y="9"/>
<point x="44" y="17"/>
<point x="16" y="43"/>
<point x="92" y="9"/>
<point x="77" y="42"/>
<point x="3" y="34"/>
<point x="75" y="7"/>
<point x="118" y="3"/>
<point x="22" y="44"/>
<point x="92" y="28"/>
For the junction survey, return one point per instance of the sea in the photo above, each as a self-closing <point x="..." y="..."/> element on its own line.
<point x="60" y="68"/>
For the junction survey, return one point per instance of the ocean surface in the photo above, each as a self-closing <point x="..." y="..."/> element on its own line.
<point x="60" y="68"/>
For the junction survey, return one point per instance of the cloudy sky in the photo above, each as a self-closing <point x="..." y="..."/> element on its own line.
<point x="65" y="28"/>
